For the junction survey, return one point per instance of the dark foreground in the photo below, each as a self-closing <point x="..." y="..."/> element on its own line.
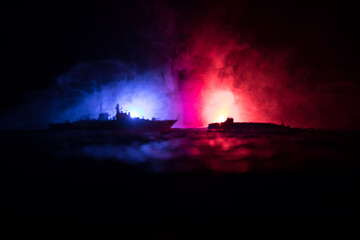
<point x="177" y="177"/>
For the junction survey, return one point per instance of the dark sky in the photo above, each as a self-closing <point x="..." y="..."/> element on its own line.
<point x="42" y="40"/>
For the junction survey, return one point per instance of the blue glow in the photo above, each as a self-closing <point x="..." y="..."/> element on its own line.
<point x="136" y="111"/>
<point x="147" y="95"/>
<point x="134" y="114"/>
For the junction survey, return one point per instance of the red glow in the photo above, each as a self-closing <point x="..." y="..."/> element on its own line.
<point x="206" y="74"/>
<point x="219" y="75"/>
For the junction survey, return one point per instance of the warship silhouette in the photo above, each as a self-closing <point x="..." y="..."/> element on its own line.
<point x="230" y="125"/>
<point x="121" y="121"/>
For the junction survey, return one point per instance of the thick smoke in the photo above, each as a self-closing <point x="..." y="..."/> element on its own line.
<point x="105" y="84"/>
<point x="91" y="87"/>
<point x="202" y="63"/>
<point x="222" y="72"/>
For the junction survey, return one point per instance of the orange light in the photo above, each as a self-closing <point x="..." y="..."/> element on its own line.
<point x="219" y="105"/>
<point x="221" y="118"/>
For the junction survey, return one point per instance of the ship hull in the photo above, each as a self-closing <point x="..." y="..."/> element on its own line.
<point x="252" y="127"/>
<point x="123" y="125"/>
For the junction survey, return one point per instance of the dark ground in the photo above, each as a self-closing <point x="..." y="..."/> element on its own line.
<point x="178" y="177"/>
